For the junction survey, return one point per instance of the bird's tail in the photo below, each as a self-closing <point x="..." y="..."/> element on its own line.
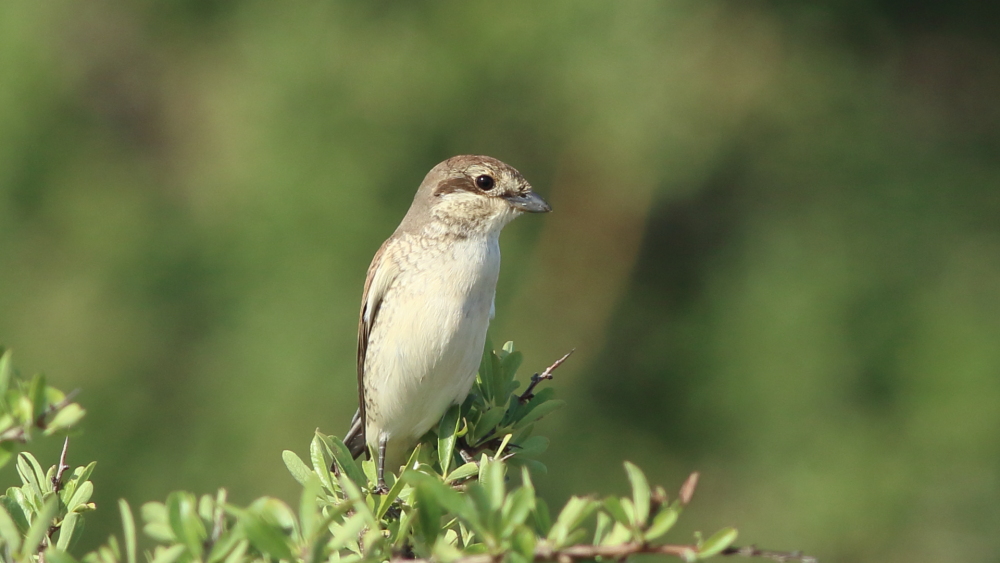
<point x="355" y="437"/>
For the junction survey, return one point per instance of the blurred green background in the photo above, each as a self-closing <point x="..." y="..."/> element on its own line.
<point x="775" y="245"/>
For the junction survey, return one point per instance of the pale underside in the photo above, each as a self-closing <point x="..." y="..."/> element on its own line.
<point x="422" y="357"/>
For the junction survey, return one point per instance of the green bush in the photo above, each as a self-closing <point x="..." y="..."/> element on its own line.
<point x="465" y="494"/>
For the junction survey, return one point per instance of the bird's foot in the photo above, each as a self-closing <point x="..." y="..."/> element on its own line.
<point x="380" y="488"/>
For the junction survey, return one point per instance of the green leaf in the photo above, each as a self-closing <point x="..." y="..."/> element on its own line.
<point x="614" y="507"/>
<point x="17" y="507"/>
<point x="397" y="487"/>
<point x="447" y="430"/>
<point x="491" y="476"/>
<point x="344" y="459"/>
<point x="620" y="534"/>
<point x="81" y="496"/>
<point x="128" y="529"/>
<point x="265" y="536"/>
<point x="536" y="467"/>
<point x="543" y="521"/>
<point x="358" y="499"/>
<point x="39" y="400"/>
<point x="572" y="515"/>
<point x="498" y="382"/>
<point x="274" y="511"/>
<point x="65" y="418"/>
<point x="402" y="536"/>
<point x="538" y="412"/>
<point x="662" y="522"/>
<point x="300" y="472"/>
<point x="429" y="513"/>
<point x="351" y="490"/>
<point x="602" y="527"/>
<point x="111" y="552"/>
<point x="444" y="549"/>
<point x="516" y="508"/>
<point x="485" y="375"/>
<point x="503" y="444"/>
<point x="81" y="474"/>
<point x="714" y="545"/>
<point x="167" y="554"/>
<point x="309" y="515"/>
<point x="489" y="419"/>
<point x="58" y="556"/>
<point x="540" y="396"/>
<point x="183" y="518"/>
<point x="39" y="525"/>
<point x="370" y="471"/>
<point x="449" y="498"/>
<point x="523" y="542"/>
<point x="5" y="374"/>
<point x="533" y="446"/>
<point x="463" y="472"/>
<point x="640" y="494"/>
<point x="206" y="508"/>
<point x="229" y="541"/>
<point x="486" y="516"/>
<point x="6" y="452"/>
<point x="32" y="475"/>
<point x="238" y="554"/>
<point x="322" y="460"/>
<point x="9" y="532"/>
<point x="157" y="522"/>
<point x="66" y="530"/>
<point x="506" y="349"/>
<point x="348" y="532"/>
<point x="323" y="526"/>
<point x="510" y="361"/>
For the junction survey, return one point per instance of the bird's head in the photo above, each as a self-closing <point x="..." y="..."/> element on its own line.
<point x="467" y="195"/>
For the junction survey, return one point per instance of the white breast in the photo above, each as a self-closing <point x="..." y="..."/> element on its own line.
<point x="428" y="339"/>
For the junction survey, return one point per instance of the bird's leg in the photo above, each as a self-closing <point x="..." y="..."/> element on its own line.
<point x="380" y="488"/>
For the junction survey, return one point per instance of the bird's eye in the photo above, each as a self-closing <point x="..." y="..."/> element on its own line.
<point x="484" y="182"/>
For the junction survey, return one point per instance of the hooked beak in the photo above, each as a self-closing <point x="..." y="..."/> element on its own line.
<point x="530" y="202"/>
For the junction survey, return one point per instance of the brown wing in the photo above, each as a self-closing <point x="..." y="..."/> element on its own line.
<point x="381" y="273"/>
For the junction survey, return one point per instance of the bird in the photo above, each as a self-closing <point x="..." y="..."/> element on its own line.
<point x="427" y="302"/>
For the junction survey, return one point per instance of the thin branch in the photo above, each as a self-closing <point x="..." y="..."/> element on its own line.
<point x="57" y="478"/>
<point x="626" y="550"/>
<point x="56" y="486"/>
<point x="538" y="378"/>
<point x="580" y="552"/>
<point x="779" y="556"/>
<point x="544" y="553"/>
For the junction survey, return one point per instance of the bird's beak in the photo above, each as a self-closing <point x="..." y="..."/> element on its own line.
<point x="529" y="201"/>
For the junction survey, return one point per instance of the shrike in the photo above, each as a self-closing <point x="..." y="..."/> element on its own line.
<point x="427" y="301"/>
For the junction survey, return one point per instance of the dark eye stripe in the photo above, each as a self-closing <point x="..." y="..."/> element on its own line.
<point x="454" y="185"/>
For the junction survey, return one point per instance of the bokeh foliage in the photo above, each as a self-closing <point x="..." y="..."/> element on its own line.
<point x="451" y="501"/>
<point x="775" y="239"/>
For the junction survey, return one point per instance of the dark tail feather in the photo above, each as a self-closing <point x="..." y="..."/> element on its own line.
<point x="355" y="437"/>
